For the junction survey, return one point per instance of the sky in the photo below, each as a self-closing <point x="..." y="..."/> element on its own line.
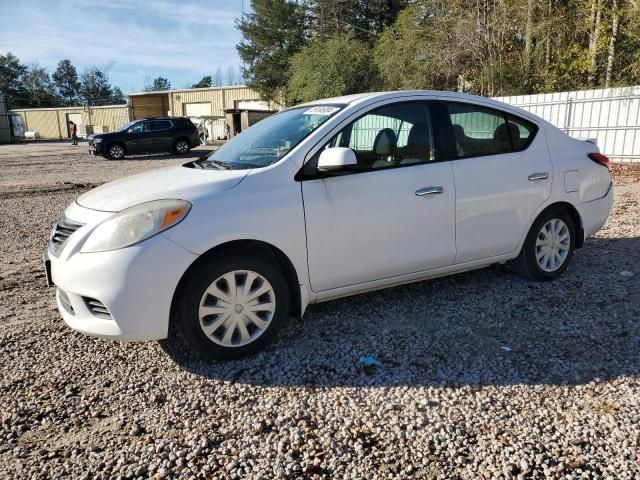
<point x="134" y="39"/>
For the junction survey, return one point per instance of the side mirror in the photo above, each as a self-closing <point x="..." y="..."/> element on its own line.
<point x="337" y="158"/>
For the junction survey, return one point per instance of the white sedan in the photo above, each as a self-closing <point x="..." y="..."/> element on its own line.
<point x="320" y="201"/>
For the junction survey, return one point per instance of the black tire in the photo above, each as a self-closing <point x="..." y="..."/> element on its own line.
<point x="116" y="151"/>
<point x="527" y="264"/>
<point x="186" y="320"/>
<point x="181" y="146"/>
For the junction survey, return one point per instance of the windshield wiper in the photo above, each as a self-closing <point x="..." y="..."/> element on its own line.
<point x="216" y="163"/>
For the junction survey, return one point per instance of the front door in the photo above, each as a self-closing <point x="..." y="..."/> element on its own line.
<point x="502" y="174"/>
<point x="139" y="137"/>
<point x="390" y="215"/>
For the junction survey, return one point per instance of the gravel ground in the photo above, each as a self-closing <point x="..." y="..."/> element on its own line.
<point x="483" y="375"/>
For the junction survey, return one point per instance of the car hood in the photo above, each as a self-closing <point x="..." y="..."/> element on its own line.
<point x="172" y="182"/>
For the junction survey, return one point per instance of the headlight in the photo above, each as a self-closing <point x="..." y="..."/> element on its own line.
<point x="96" y="140"/>
<point x="136" y="224"/>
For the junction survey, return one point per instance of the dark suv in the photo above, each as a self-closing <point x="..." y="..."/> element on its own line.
<point x="166" y="134"/>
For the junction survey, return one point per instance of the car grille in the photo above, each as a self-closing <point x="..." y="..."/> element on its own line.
<point x="61" y="233"/>
<point x="97" y="308"/>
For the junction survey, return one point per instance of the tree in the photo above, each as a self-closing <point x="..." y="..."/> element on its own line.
<point x="420" y="50"/>
<point x="231" y="78"/>
<point x="11" y="76"/>
<point x="158" y="83"/>
<point x="273" y="33"/>
<point x="340" y="66"/>
<point x="38" y="87"/>
<point x="95" y="88"/>
<point x="363" y="19"/>
<point x="217" y="78"/>
<point x="118" y="97"/>
<point x="65" y="79"/>
<point x="203" y="83"/>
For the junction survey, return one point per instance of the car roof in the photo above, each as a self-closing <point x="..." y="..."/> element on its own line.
<point x="162" y="118"/>
<point x="372" y="97"/>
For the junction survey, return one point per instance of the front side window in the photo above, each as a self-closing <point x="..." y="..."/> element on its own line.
<point x="480" y="131"/>
<point x="269" y="140"/>
<point x="389" y="136"/>
<point x="138" y="127"/>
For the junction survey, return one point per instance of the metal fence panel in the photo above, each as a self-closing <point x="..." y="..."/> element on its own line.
<point x="609" y="116"/>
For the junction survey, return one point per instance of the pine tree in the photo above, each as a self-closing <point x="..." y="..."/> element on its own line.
<point x="273" y="33"/>
<point x="65" y="79"/>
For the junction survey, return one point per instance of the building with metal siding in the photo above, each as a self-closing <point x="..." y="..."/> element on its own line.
<point x="176" y="102"/>
<point x="51" y="123"/>
<point x="194" y="103"/>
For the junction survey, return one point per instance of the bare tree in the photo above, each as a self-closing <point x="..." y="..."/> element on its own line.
<point x="612" y="43"/>
<point x="594" y="21"/>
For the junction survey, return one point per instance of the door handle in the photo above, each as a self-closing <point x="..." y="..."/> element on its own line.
<point x="429" y="191"/>
<point x="538" y="176"/>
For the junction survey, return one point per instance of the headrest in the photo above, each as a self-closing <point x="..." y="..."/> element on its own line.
<point x="385" y="142"/>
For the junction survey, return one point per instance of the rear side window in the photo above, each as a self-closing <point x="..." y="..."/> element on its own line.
<point x="479" y="131"/>
<point x="160" y="125"/>
<point x="522" y="132"/>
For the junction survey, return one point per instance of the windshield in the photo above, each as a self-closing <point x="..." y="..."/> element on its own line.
<point x="125" y="126"/>
<point x="269" y="140"/>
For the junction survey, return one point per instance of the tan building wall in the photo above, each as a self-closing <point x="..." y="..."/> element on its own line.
<point x="51" y="123"/>
<point x="153" y="104"/>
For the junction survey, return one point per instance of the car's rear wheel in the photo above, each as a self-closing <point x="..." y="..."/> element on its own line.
<point x="232" y="306"/>
<point x="549" y="246"/>
<point x="116" y="151"/>
<point x="182" y="146"/>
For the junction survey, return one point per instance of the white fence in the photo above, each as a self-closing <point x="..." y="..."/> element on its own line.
<point x="609" y="116"/>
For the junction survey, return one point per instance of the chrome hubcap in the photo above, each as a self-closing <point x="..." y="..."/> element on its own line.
<point x="237" y="308"/>
<point x="552" y="245"/>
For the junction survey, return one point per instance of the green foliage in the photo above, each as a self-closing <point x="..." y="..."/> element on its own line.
<point x="273" y="33"/>
<point x="65" y="79"/>
<point x="11" y="74"/>
<point x="158" y="83"/>
<point x="118" y="97"/>
<point x="340" y="66"/>
<point x="95" y="88"/>
<point x="413" y="53"/>
<point x="363" y="19"/>
<point x="38" y="87"/>
<point x="204" y="82"/>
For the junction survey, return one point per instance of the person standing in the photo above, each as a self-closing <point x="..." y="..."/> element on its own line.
<point x="73" y="130"/>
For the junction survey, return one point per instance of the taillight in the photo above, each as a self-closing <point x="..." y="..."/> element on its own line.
<point x="601" y="159"/>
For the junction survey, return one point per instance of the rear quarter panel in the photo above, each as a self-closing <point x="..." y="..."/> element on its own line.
<point x="577" y="178"/>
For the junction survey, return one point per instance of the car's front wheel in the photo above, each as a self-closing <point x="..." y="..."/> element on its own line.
<point x="116" y="151"/>
<point x="549" y="246"/>
<point x="182" y="146"/>
<point x="232" y="306"/>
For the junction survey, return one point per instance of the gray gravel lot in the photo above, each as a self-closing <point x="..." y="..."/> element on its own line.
<point x="483" y="375"/>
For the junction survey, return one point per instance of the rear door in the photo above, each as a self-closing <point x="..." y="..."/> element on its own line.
<point x="161" y="136"/>
<point x="502" y="173"/>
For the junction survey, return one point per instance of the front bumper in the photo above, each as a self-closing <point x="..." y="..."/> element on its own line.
<point x="95" y="148"/>
<point x="123" y="294"/>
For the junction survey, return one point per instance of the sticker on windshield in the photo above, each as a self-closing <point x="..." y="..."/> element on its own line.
<point x="320" y="111"/>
